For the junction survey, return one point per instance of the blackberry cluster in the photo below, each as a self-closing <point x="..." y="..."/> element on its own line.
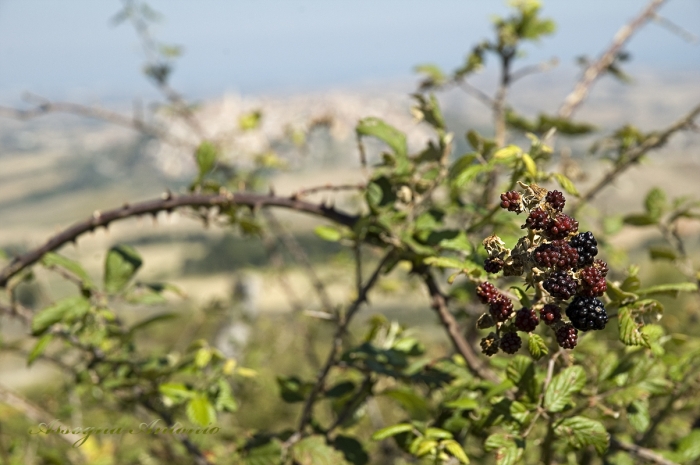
<point x="511" y="343"/>
<point x="567" y="336"/>
<point x="587" y="313"/>
<point x="493" y="265"/>
<point x="550" y="314"/>
<point x="526" y="320"/>
<point x="537" y="220"/>
<point x="586" y="246"/>
<point x="501" y="308"/>
<point x="555" y="200"/>
<point x="593" y="282"/>
<point x="557" y="254"/>
<point x="511" y="201"/>
<point x="487" y="292"/>
<point x="561" y="226"/>
<point x="560" y="285"/>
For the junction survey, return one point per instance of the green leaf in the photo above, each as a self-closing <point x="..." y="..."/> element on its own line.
<point x="313" y="450"/>
<point x="151" y="320"/>
<point x="566" y="184"/>
<point x="206" y="156"/>
<point x="507" y="153"/>
<point x="444" y="262"/>
<point x="415" y="405"/>
<point x="328" y="233"/>
<point x="200" y="411"/>
<point x="65" y="309"/>
<point x="250" y="121"/>
<point x="638" y="414"/>
<point x="292" y="389"/>
<point x="375" y="127"/>
<point x="176" y="392"/>
<point x="689" y="447"/>
<point x="39" y="348"/>
<point x="52" y="259"/>
<point x="464" y="403"/>
<point x="530" y="165"/>
<point x="352" y="449"/>
<point x="659" y="252"/>
<point x="341" y="389"/>
<point x="581" y="432"/>
<point x="435" y="76"/>
<point x="507" y="450"/>
<point x="455" y="449"/>
<point x="536" y="346"/>
<point x="522" y="296"/>
<point x="224" y="399"/>
<point x="640" y="219"/>
<point x="268" y="453"/>
<point x="392" y="430"/>
<point x="629" y="329"/>
<point x="672" y="289"/>
<point x="202" y="357"/>
<point x="655" y="203"/>
<point x="121" y="265"/>
<point x="562" y="387"/>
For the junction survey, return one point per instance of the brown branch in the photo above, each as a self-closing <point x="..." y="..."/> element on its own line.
<point x="168" y="203"/>
<point x="639" y="452"/>
<point x="595" y="69"/>
<point x="533" y="69"/>
<point x="454" y="332"/>
<point x="634" y="154"/>
<point x="327" y="187"/>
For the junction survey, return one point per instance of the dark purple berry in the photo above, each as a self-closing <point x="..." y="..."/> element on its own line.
<point x="487" y="292"/>
<point x="561" y="226"/>
<point x="557" y="254"/>
<point x="567" y="336"/>
<point x="526" y="320"/>
<point x="593" y="282"/>
<point x="602" y="266"/>
<point x="550" y="314"/>
<point x="586" y="246"/>
<point x="537" y="220"/>
<point x="493" y="265"/>
<point x="555" y="200"/>
<point x="587" y="313"/>
<point x="511" y="343"/>
<point x="561" y="285"/>
<point x="511" y="201"/>
<point x="501" y="308"/>
<point x="489" y="345"/>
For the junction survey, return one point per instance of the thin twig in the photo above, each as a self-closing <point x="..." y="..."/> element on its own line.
<point x="533" y="69"/>
<point x="634" y="154"/>
<point x="476" y="93"/>
<point x="639" y="452"/>
<point x="453" y="331"/>
<point x="595" y="69"/>
<point x="327" y="187"/>
<point x="168" y="203"/>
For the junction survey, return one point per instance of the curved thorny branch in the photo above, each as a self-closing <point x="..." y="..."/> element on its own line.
<point x="168" y="203"/>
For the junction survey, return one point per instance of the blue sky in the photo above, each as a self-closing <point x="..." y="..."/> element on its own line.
<point x="68" y="49"/>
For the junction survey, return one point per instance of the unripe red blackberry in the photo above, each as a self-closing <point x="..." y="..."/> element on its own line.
<point x="489" y="344"/>
<point x="586" y="246"/>
<point x="592" y="282"/>
<point x="550" y="314"/>
<point x="587" y="313"/>
<point x="557" y="254"/>
<point x="561" y="226"/>
<point x="487" y="292"/>
<point x="501" y="308"/>
<point x="537" y="220"/>
<point x="602" y="266"/>
<point x="567" y="336"/>
<point x="526" y="320"/>
<point x="511" y="201"/>
<point x="511" y="343"/>
<point x="555" y="200"/>
<point x="561" y="285"/>
<point x="493" y="265"/>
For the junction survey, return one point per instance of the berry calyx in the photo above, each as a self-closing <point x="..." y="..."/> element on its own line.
<point x="587" y="313"/>
<point x="561" y="226"/>
<point x="560" y="285"/>
<point x="489" y="345"/>
<point x="586" y="246"/>
<point x="501" y="308"/>
<point x="550" y="314"/>
<point x="555" y="200"/>
<point x="511" y="343"/>
<point x="537" y="220"/>
<point x="567" y="336"/>
<point x="487" y="292"/>
<point x="511" y="201"/>
<point x="526" y="320"/>
<point x="493" y="265"/>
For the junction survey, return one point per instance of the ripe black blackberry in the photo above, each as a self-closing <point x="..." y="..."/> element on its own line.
<point x="493" y="265"/>
<point x="557" y="254"/>
<point x="511" y="343"/>
<point x="526" y="320"/>
<point x="567" y="336"/>
<point x="561" y="285"/>
<point x="556" y="200"/>
<point x="537" y="220"/>
<point x="501" y="308"/>
<point x="586" y="246"/>
<point x="511" y="201"/>
<point x="587" y="313"/>
<point x="592" y="282"/>
<point x="489" y="345"/>
<point x="487" y="292"/>
<point x="550" y="313"/>
<point x="561" y="226"/>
